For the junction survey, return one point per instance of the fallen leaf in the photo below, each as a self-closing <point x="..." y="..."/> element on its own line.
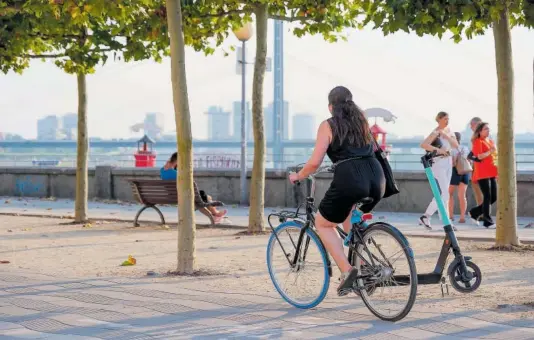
<point x="130" y="262"/>
<point x="9" y="231"/>
<point x="4" y="262"/>
<point x="87" y="225"/>
<point x="48" y="208"/>
<point x="166" y="227"/>
<point x="7" y="202"/>
<point x="26" y="229"/>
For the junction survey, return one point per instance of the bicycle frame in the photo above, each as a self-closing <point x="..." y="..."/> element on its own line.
<point x="356" y="219"/>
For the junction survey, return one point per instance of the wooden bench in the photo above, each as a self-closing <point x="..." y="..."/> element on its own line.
<point x="151" y="192"/>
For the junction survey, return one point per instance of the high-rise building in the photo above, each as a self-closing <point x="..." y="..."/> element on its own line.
<point x="218" y="123"/>
<point x="153" y="125"/>
<point x="269" y="122"/>
<point x="304" y="126"/>
<point x="236" y="131"/>
<point x="70" y="126"/>
<point x="49" y="128"/>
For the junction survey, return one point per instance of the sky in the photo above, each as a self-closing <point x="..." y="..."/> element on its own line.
<point x="413" y="77"/>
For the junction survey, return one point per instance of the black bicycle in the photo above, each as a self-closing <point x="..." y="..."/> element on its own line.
<point x="300" y="267"/>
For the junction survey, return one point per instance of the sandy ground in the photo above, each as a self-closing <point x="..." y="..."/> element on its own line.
<point x="48" y="246"/>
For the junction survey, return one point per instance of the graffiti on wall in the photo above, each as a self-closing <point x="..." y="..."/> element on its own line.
<point x="216" y="162"/>
<point x="27" y="186"/>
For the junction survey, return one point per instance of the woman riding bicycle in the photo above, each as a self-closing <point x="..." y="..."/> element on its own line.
<point x="346" y="139"/>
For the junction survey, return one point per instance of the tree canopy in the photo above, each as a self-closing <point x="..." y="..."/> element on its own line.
<point x="77" y="34"/>
<point x="462" y="18"/>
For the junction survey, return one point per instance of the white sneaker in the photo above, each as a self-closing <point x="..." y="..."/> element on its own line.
<point x="424" y="220"/>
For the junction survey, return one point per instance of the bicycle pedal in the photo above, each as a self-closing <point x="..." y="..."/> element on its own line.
<point x="344" y="292"/>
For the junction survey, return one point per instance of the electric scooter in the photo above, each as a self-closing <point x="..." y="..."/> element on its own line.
<point x="464" y="275"/>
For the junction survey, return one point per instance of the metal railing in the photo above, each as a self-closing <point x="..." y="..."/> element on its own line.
<point x="398" y="161"/>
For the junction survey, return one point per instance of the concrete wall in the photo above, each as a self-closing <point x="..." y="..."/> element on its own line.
<point x="39" y="182"/>
<point x="112" y="183"/>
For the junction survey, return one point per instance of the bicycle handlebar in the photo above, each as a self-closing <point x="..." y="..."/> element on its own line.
<point x="323" y="169"/>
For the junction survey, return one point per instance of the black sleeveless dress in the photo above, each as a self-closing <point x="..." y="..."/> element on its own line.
<point x="354" y="179"/>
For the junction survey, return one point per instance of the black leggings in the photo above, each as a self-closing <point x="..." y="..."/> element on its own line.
<point x="488" y="186"/>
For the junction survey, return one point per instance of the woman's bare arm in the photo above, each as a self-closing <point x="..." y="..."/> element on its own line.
<point x="426" y="144"/>
<point x="324" y="137"/>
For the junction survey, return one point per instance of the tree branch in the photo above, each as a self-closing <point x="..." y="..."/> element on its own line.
<point x="290" y="19"/>
<point x="59" y="55"/>
<point x="220" y="14"/>
<point x="45" y="56"/>
<point x="48" y="36"/>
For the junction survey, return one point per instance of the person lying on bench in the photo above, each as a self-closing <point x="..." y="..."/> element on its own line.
<point x="168" y="172"/>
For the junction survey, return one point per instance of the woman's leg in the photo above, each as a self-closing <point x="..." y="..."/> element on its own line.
<point x="477" y="192"/>
<point x="442" y="170"/>
<point x="213" y="210"/>
<point x="485" y="187"/>
<point x="462" y="189"/>
<point x="332" y="242"/>
<point x="451" y="201"/>
<point x="346" y="224"/>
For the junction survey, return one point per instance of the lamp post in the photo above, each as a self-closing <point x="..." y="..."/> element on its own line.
<point x="243" y="34"/>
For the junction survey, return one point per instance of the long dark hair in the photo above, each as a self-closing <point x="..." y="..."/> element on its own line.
<point x="348" y="121"/>
<point x="478" y="130"/>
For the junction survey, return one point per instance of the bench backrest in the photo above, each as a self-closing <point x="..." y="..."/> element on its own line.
<point x="155" y="191"/>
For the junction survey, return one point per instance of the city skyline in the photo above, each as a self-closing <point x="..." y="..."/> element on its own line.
<point x="304" y="127"/>
<point x="411" y="76"/>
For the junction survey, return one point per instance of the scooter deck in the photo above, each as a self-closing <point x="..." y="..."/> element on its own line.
<point x="422" y="279"/>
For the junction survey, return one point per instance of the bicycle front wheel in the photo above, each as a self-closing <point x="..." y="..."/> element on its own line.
<point x="385" y="256"/>
<point x="303" y="284"/>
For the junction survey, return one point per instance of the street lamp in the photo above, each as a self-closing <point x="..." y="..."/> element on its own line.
<point x="243" y="34"/>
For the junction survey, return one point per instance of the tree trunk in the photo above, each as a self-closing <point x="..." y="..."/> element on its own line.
<point x="186" y="211"/>
<point x="257" y="183"/>
<point x="80" y="205"/>
<point x="506" y="234"/>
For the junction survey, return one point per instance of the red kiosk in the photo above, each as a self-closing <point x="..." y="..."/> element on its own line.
<point x="145" y="157"/>
<point x="379" y="135"/>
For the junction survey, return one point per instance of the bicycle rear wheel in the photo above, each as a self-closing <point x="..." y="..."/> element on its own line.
<point x="386" y="253"/>
<point x="305" y="284"/>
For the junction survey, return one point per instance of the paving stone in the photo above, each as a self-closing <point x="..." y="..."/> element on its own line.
<point x="441" y="328"/>
<point x="22" y="333"/>
<point x="38" y="305"/>
<point x="44" y="325"/>
<point x="21" y="290"/>
<point x="515" y="334"/>
<point x="8" y="325"/>
<point x="414" y="333"/>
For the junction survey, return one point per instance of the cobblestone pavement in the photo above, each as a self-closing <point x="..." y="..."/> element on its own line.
<point x="36" y="306"/>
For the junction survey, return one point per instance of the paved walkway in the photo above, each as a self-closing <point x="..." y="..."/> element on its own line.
<point x="44" y="306"/>
<point x="238" y="217"/>
<point x="39" y="306"/>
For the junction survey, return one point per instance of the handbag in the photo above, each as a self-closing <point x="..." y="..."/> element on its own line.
<point x="391" y="184"/>
<point x="462" y="165"/>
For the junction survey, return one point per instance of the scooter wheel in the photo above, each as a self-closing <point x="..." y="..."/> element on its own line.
<point x="466" y="282"/>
